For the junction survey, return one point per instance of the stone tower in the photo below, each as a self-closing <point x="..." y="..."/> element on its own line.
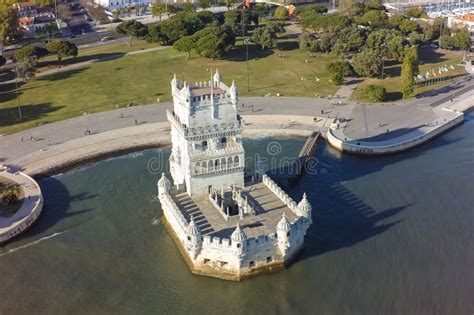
<point x="207" y="152"/>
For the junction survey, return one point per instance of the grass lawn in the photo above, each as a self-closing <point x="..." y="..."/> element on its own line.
<point x="430" y="59"/>
<point x="142" y="78"/>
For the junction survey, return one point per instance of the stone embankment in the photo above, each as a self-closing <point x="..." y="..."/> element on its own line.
<point x="30" y="209"/>
<point x="449" y="115"/>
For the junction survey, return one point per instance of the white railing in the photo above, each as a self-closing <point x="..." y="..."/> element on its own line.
<point x="280" y="193"/>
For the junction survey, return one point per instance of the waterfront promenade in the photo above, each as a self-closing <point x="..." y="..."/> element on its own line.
<point x="32" y="205"/>
<point x="52" y="147"/>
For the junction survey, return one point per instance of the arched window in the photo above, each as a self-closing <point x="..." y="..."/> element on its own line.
<point x="236" y="159"/>
<point x="224" y="140"/>
<point x="223" y="162"/>
<point x="229" y="160"/>
<point x="204" y="144"/>
<point x="217" y="163"/>
<point x="209" y="164"/>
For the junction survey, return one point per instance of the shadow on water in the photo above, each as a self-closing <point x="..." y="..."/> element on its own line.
<point x="340" y="218"/>
<point x="57" y="202"/>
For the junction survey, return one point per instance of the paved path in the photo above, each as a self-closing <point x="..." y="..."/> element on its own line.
<point x="135" y="126"/>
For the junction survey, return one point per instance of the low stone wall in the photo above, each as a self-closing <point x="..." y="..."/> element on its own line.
<point x="28" y="213"/>
<point x="395" y="145"/>
<point x="280" y="193"/>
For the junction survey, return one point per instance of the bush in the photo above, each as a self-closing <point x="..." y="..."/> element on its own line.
<point x="338" y="70"/>
<point x="375" y="93"/>
<point x="10" y="195"/>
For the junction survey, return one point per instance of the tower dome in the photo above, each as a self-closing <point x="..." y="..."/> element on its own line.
<point x="304" y="206"/>
<point x="238" y="235"/>
<point x="164" y="184"/>
<point x="284" y="225"/>
<point x="193" y="229"/>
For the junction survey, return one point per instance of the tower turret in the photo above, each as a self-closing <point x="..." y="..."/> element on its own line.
<point x="216" y="78"/>
<point x="304" y="208"/>
<point x="164" y="185"/>
<point x="283" y="234"/>
<point x="233" y="93"/>
<point x="193" y="239"/>
<point x="174" y="83"/>
<point x="239" y="241"/>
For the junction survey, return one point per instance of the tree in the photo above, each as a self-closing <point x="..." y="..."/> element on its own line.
<point x="9" y="26"/>
<point x="411" y="53"/>
<point x="350" y="7"/>
<point x="185" y="44"/>
<point x="415" y="12"/>
<point x="374" y="18"/>
<point x="348" y="39"/>
<point x="214" y="42"/>
<point x="26" y="69"/>
<point x="205" y="4"/>
<point x="461" y="39"/>
<point x="406" y="80"/>
<point x="281" y="13"/>
<point x="158" y="9"/>
<point x="62" y="49"/>
<point x="265" y="37"/>
<point x="338" y="70"/>
<point x="396" y="48"/>
<point x="408" y="26"/>
<point x="306" y="40"/>
<point x="375" y="93"/>
<point x="368" y="63"/>
<point x="3" y="61"/>
<point x="132" y="28"/>
<point x="29" y="51"/>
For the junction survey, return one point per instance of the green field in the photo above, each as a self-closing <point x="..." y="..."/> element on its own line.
<point x="430" y="59"/>
<point x="142" y="78"/>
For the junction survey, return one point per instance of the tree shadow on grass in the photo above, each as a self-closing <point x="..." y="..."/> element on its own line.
<point x="69" y="61"/>
<point x="288" y="45"/>
<point x="60" y="75"/>
<point x="239" y="53"/>
<point x="9" y="115"/>
<point x="393" y="96"/>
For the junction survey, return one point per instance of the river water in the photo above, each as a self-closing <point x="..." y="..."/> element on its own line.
<point x="391" y="235"/>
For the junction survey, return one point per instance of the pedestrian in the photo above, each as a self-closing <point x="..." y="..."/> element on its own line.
<point x="21" y="139"/>
<point x="451" y="99"/>
<point x="49" y="142"/>
<point x="388" y="130"/>
<point x="379" y="123"/>
<point x="136" y="122"/>
<point x="322" y="111"/>
<point x="31" y="138"/>
<point x="85" y="132"/>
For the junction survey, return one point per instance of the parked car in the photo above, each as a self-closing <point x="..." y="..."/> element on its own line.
<point x="106" y="38"/>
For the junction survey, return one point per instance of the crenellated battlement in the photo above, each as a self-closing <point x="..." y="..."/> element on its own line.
<point x="224" y="228"/>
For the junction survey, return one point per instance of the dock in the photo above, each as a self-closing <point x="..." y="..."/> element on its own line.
<point x="290" y="173"/>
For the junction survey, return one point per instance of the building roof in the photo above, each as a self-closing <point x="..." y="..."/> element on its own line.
<point x="26" y="4"/>
<point x="26" y="20"/>
<point x="466" y="18"/>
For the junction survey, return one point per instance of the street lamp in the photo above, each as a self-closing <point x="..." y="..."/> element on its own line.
<point x="383" y="59"/>
<point x="246" y="41"/>
<point x="17" y="93"/>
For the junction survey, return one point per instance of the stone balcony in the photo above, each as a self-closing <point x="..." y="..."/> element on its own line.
<point x="205" y="132"/>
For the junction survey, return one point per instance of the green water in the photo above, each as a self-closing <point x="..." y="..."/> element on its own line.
<point x="391" y="235"/>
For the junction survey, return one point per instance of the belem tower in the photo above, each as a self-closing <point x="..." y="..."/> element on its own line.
<point x="224" y="226"/>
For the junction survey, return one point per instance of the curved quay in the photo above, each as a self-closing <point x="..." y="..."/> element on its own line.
<point x="338" y="140"/>
<point x="30" y="209"/>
